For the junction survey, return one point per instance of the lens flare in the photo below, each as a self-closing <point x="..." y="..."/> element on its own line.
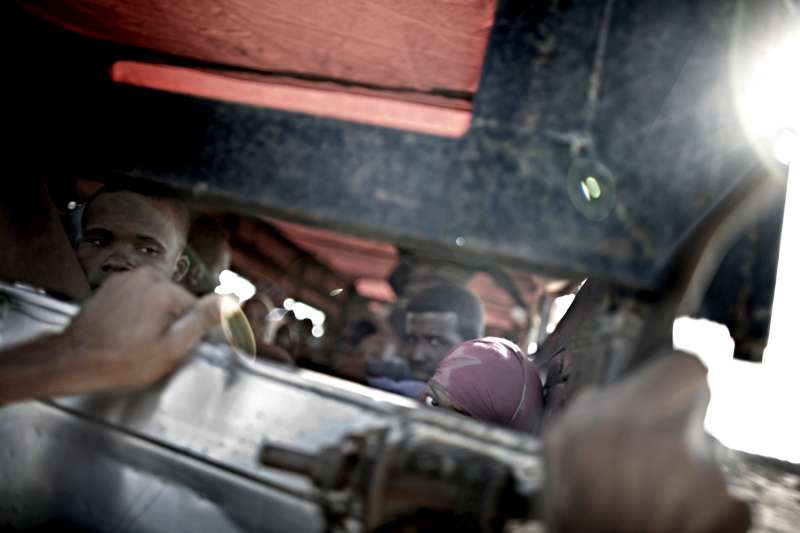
<point x="767" y="97"/>
<point x="591" y="188"/>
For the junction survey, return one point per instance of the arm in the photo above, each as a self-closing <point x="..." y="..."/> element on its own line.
<point x="38" y="368"/>
<point x="133" y="331"/>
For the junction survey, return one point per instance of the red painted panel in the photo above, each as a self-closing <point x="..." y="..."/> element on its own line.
<point x="350" y="256"/>
<point x="375" y="289"/>
<point x="420" y="44"/>
<point x="340" y="105"/>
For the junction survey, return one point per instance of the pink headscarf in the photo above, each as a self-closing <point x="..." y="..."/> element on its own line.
<point x="492" y="380"/>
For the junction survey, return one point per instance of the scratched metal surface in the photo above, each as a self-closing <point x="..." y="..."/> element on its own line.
<point x="61" y="471"/>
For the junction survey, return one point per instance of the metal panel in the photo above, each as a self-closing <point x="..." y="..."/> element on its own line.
<point x="637" y="94"/>
<point x="59" y="470"/>
<point x="225" y="444"/>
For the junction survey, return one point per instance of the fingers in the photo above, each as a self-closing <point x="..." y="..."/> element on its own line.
<point x="144" y="274"/>
<point x="189" y="328"/>
<point x="726" y="516"/>
<point x="143" y="280"/>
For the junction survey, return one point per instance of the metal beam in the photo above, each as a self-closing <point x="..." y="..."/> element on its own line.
<point x="568" y="92"/>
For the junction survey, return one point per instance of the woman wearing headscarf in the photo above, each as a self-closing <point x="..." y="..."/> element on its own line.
<point x="489" y="379"/>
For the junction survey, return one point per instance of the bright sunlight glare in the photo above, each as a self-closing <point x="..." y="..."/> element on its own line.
<point x="769" y="103"/>
<point x="753" y="406"/>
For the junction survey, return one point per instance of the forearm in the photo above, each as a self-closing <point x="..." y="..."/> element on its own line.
<point x="112" y="343"/>
<point x="43" y="367"/>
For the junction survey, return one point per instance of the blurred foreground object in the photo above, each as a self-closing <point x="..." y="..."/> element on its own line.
<point x="634" y="458"/>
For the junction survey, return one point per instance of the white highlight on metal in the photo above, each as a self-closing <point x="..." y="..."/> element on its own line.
<point x="560" y="307"/>
<point x="786" y="145"/>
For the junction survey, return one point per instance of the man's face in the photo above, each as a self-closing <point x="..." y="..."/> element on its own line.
<point x="124" y="230"/>
<point x="428" y="338"/>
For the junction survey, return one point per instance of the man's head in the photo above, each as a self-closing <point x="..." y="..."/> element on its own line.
<point x="209" y="254"/>
<point x="437" y="319"/>
<point x="127" y="227"/>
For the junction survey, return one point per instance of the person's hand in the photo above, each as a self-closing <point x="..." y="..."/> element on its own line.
<point x="134" y="330"/>
<point x="634" y="458"/>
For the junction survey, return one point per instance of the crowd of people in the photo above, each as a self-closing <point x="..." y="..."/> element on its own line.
<point x="443" y="360"/>
<point x="127" y="234"/>
<point x="149" y="270"/>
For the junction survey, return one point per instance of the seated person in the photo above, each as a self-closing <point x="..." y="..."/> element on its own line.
<point x="489" y="379"/>
<point x="209" y="253"/>
<point x="124" y="228"/>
